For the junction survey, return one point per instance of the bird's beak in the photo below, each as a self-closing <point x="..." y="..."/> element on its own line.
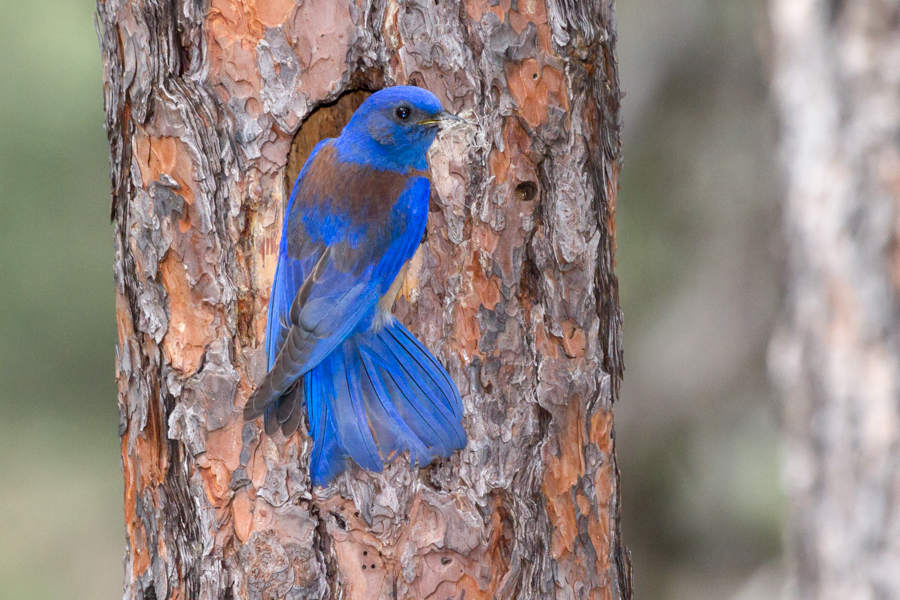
<point x="442" y="118"/>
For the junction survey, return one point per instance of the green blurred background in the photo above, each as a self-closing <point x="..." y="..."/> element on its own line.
<point x="697" y="426"/>
<point x="698" y="438"/>
<point x="61" y="524"/>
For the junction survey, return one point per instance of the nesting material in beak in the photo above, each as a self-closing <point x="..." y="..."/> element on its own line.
<point x="443" y="119"/>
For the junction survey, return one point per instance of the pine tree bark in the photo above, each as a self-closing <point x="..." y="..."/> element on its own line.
<point x="837" y="356"/>
<point x="211" y="109"/>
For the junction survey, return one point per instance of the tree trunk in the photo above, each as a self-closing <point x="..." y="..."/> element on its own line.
<point x="211" y="110"/>
<point x="837" y="79"/>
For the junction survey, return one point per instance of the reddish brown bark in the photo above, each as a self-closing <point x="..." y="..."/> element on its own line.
<point x="513" y="290"/>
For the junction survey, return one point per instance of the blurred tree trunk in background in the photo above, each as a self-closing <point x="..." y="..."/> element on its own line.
<point x="513" y="289"/>
<point x="837" y="356"/>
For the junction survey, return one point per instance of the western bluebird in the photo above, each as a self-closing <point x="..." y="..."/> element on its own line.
<point x="354" y="220"/>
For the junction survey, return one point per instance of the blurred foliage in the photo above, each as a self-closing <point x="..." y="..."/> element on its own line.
<point x="697" y="435"/>
<point x="697" y="427"/>
<point x="61" y="498"/>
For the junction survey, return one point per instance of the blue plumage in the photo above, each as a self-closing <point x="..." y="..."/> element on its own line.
<point x="355" y="218"/>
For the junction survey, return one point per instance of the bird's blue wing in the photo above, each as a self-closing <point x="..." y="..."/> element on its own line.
<point x="349" y="230"/>
<point x="290" y="272"/>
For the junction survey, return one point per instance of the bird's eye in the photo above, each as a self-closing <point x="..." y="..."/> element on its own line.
<point x="403" y="112"/>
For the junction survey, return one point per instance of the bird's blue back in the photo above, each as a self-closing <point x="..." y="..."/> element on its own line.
<point x="355" y="217"/>
<point x="371" y="222"/>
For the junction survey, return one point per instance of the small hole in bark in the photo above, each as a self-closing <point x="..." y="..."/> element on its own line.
<point x="526" y="191"/>
<point x="364" y="567"/>
<point x="429" y="479"/>
<point x="446" y="560"/>
<point x="365" y="552"/>
<point x="534" y="76"/>
<point x="373" y="566"/>
<point x="356" y="514"/>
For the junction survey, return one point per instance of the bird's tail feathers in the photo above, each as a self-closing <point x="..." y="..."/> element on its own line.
<point x="373" y="397"/>
<point x="376" y="396"/>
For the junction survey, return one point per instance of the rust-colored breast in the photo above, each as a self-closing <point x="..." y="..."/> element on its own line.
<point x="363" y="194"/>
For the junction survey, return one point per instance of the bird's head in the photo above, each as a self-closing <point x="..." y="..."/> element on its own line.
<point x="394" y="128"/>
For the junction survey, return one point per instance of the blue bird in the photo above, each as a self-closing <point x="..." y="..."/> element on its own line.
<point x="354" y="220"/>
